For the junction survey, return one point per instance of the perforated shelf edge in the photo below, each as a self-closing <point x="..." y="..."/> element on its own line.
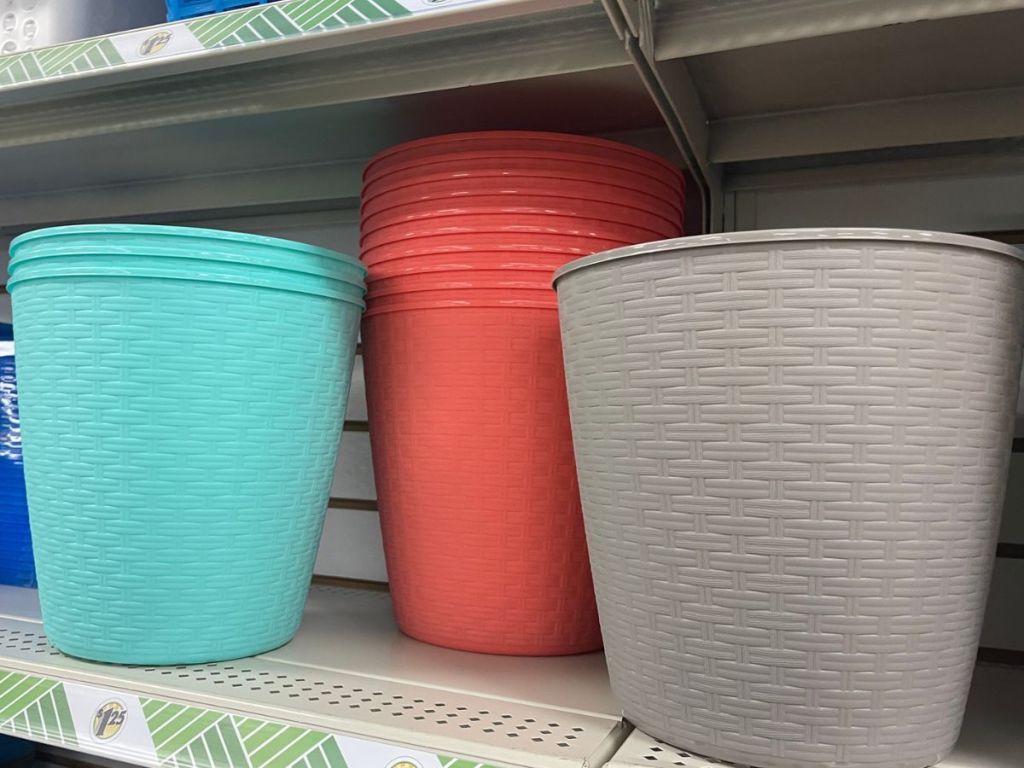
<point x="349" y="691"/>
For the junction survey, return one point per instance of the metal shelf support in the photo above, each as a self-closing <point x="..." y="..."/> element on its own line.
<point x="672" y="90"/>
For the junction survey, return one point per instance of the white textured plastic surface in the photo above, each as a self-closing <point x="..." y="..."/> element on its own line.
<point x="790" y="237"/>
<point x="792" y="453"/>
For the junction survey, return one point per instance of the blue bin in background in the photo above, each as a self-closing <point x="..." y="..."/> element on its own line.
<point x="186" y="9"/>
<point x="16" y="566"/>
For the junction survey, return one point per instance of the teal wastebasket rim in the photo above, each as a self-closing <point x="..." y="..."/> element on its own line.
<point x="342" y="263"/>
<point x="323" y="288"/>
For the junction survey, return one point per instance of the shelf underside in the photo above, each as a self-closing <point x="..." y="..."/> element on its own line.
<point x="855" y="83"/>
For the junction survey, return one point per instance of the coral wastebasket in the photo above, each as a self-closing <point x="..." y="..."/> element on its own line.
<point x="468" y="416"/>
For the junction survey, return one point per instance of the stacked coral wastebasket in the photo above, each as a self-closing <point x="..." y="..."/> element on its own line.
<point x="468" y="415"/>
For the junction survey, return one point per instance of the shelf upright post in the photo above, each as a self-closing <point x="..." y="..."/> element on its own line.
<point x="673" y="91"/>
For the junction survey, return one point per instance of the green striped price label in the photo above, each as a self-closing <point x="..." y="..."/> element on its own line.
<point x="155" y="732"/>
<point x="246" y="26"/>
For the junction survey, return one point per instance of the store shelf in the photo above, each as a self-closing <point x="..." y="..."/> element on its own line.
<point x="349" y="690"/>
<point x="277" y="107"/>
<point x="351" y="687"/>
<point x="771" y="87"/>
<point x="693" y="27"/>
<point x="285" y="118"/>
<point x="276" y="31"/>
<point x="991" y="736"/>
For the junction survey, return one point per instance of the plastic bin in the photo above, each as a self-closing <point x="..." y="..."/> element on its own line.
<point x="184" y="9"/>
<point x="16" y="566"/>
<point x="508" y="150"/>
<point x="523" y="246"/>
<point x="792" y="448"/>
<point x="473" y="464"/>
<point x="558" y="214"/>
<point x="550" y="172"/>
<point x="446" y="189"/>
<point x="468" y="417"/>
<point x="182" y="393"/>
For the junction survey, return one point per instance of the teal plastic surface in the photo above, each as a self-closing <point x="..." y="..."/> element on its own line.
<point x="182" y="394"/>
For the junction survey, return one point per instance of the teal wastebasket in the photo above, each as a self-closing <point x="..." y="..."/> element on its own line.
<point x="182" y="394"/>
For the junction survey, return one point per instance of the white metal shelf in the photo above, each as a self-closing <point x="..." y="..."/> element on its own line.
<point x="195" y="118"/>
<point x="769" y="92"/>
<point x="349" y="684"/>
<point x="274" y="33"/>
<point x="209" y="122"/>
<point x="694" y="27"/>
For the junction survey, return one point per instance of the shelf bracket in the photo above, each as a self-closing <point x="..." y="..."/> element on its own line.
<point x="671" y="87"/>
